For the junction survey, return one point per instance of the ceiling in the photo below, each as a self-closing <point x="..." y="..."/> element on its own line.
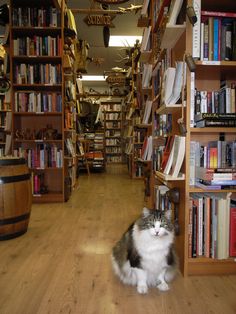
<point x="125" y="24"/>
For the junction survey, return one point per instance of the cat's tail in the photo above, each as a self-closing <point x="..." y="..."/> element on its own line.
<point x="126" y="274"/>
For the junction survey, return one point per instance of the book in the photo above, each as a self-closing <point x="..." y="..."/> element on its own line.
<point x="144" y="9"/>
<point x="147" y="112"/>
<point x="223" y="226"/>
<point x="178" y="82"/>
<point x="218" y="13"/>
<point x="168" y="84"/>
<point x="232" y="230"/>
<point x="178" y="155"/>
<point x="215" y="116"/>
<point x="145" y="39"/>
<point x="167" y="152"/>
<point x="196" y="30"/>
<point x="173" y="12"/>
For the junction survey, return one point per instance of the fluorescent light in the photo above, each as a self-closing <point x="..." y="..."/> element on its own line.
<point x="93" y="78"/>
<point x="123" y="41"/>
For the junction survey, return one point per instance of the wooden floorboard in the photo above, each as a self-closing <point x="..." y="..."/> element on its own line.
<point x="62" y="264"/>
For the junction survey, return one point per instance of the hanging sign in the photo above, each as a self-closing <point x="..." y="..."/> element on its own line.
<point x="116" y="79"/>
<point x="111" y="1"/>
<point x="99" y="20"/>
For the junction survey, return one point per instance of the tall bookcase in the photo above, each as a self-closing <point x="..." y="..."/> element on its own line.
<point x="171" y="44"/>
<point x="113" y="120"/>
<point x="36" y="41"/>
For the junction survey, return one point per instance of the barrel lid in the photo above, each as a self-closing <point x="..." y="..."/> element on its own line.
<point x="8" y="161"/>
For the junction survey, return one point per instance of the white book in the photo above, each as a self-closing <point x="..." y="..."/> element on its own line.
<point x="147" y="75"/>
<point x="150" y="148"/>
<point x="146" y="35"/>
<point x="147" y="112"/>
<point x="177" y="86"/>
<point x="168" y="83"/>
<point x="174" y="10"/>
<point x="196" y="30"/>
<point x="192" y="98"/>
<point x="192" y="162"/>
<point x="145" y="7"/>
<point x="202" y="42"/>
<point x="178" y="155"/>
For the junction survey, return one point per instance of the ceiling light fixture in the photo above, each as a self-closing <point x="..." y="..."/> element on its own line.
<point x="123" y="41"/>
<point x="93" y="78"/>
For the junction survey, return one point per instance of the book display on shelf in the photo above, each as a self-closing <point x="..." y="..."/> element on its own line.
<point x="36" y="43"/>
<point x="113" y="120"/>
<point x="205" y="176"/>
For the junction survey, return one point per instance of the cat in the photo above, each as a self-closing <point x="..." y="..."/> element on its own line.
<point x="145" y="256"/>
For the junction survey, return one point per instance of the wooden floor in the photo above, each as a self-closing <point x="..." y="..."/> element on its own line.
<point x="62" y="264"/>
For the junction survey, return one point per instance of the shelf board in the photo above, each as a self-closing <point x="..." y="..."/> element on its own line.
<point x="171" y="35"/>
<point x="216" y="63"/>
<point x="48" y="198"/>
<point x="38" y="113"/>
<point x="167" y="177"/>
<point x="210" y="266"/>
<point x="142" y="125"/>
<point x="196" y="189"/>
<point x="213" y="130"/>
<point x="165" y="109"/>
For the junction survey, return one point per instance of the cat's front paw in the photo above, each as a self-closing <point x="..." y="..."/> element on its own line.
<point x="163" y="286"/>
<point x="142" y="289"/>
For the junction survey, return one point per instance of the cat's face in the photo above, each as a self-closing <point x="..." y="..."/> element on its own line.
<point x="157" y="223"/>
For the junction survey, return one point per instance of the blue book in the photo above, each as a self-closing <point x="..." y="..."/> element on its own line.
<point x="216" y="39"/>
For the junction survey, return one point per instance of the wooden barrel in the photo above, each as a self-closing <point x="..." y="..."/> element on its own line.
<point x="15" y="197"/>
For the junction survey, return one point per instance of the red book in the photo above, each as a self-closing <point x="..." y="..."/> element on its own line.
<point x="232" y="232"/>
<point x="216" y="13"/>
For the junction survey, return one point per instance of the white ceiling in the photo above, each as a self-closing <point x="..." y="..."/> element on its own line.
<point x="125" y="24"/>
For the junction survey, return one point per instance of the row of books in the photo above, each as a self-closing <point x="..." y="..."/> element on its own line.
<point x="37" y="74"/>
<point x="147" y="148"/>
<point x="217" y="38"/>
<point x="162" y="124"/>
<point x="112" y="141"/>
<point x="42" y="156"/>
<point x="112" y="159"/>
<point x="169" y="158"/>
<point x="173" y="80"/>
<point x="112" y="133"/>
<point x="212" y="226"/>
<point x="213" y="157"/>
<point x="37" y="46"/>
<point x="113" y="150"/>
<point x="213" y="35"/>
<point x="220" y="101"/>
<point x="37" y="102"/>
<point x="114" y="124"/>
<point x="113" y="116"/>
<point x="111" y="107"/>
<point x="70" y="117"/>
<point x="36" y="17"/>
<point x="139" y="134"/>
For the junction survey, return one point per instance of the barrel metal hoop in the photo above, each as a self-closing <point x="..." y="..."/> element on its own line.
<point x="10" y="236"/>
<point x="11" y="179"/>
<point x="13" y="220"/>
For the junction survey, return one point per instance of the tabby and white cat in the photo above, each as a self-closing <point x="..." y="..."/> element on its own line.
<point x="144" y="256"/>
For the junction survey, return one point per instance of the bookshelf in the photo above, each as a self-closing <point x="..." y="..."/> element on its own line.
<point x="36" y="41"/>
<point x="113" y="121"/>
<point x="170" y="44"/>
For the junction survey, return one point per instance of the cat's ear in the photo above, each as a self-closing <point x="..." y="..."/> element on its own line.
<point x="146" y="212"/>
<point x="168" y="214"/>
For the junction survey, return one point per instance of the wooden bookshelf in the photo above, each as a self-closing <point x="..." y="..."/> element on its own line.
<point x="175" y="41"/>
<point x="37" y="93"/>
